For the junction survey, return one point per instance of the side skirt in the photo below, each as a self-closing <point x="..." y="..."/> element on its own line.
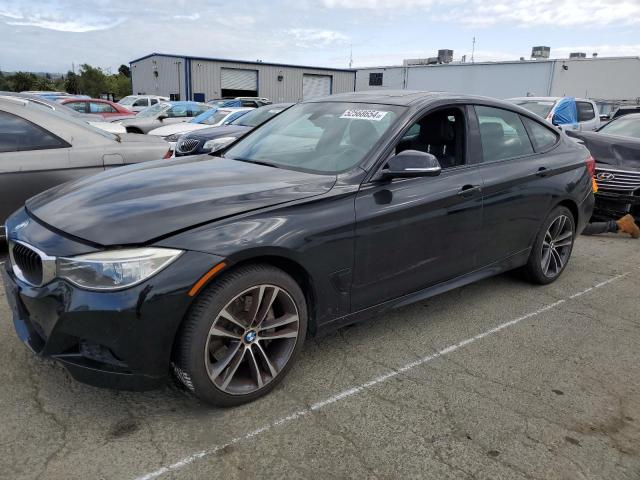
<point x="514" y="261"/>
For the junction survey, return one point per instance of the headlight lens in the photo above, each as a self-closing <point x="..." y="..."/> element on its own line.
<point x="217" y="143"/>
<point x="115" y="269"/>
<point x="173" y="137"/>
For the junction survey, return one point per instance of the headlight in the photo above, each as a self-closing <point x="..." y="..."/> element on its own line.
<point x="115" y="269"/>
<point x="172" y="138"/>
<point x="217" y="143"/>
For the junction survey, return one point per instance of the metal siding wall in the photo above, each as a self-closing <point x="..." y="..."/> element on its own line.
<point x="144" y="81"/>
<point x="392" y="78"/>
<point x="500" y="80"/>
<point x="205" y="78"/>
<point x="601" y="78"/>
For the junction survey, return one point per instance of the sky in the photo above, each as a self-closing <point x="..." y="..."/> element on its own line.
<point x="52" y="35"/>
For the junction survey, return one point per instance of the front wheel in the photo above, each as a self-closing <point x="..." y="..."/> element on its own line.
<point x="552" y="247"/>
<point x="242" y="335"/>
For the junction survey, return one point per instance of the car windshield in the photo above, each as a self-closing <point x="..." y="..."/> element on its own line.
<point x="153" y="110"/>
<point x="128" y="100"/>
<point x="257" y="116"/>
<point x="624" y="127"/>
<point x="323" y="137"/>
<point x="541" y="108"/>
<point x="210" y="117"/>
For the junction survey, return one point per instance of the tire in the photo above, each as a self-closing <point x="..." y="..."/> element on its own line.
<point x="552" y="247"/>
<point x="134" y="130"/>
<point x="235" y="357"/>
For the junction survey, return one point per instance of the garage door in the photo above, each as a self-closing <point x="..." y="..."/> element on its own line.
<point x="314" y="86"/>
<point x="237" y="79"/>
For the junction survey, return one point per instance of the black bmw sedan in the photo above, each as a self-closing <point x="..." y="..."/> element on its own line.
<point x="217" y="268"/>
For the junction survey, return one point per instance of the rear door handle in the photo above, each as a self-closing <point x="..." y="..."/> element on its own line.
<point x="469" y="190"/>
<point x="542" y="172"/>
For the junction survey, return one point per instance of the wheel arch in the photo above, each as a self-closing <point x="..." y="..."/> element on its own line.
<point x="133" y="130"/>
<point x="297" y="272"/>
<point x="573" y="208"/>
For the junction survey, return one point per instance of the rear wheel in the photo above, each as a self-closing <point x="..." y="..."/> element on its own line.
<point x="552" y="247"/>
<point x="242" y="335"/>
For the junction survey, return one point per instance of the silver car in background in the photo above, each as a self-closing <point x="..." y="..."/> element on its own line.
<point x="41" y="148"/>
<point x="163" y="113"/>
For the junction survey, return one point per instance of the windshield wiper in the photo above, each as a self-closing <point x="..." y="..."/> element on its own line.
<point x="257" y="162"/>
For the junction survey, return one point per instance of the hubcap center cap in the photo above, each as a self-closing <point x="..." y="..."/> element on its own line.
<point x="250" y="336"/>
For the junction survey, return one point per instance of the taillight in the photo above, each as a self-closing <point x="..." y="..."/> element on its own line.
<point x="168" y="154"/>
<point x="591" y="166"/>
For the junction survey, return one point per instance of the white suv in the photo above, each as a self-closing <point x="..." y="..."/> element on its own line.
<point x="137" y="103"/>
<point x="586" y="118"/>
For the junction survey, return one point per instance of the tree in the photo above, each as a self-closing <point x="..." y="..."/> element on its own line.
<point x="124" y="71"/>
<point x="21" y="81"/>
<point x="71" y="83"/>
<point x="92" y="81"/>
<point x="4" y="83"/>
<point x="119" y="85"/>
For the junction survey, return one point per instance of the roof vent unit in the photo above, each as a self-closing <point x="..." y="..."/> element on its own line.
<point x="577" y="55"/>
<point x="415" y="61"/>
<point x="540" y="52"/>
<point x="445" y="56"/>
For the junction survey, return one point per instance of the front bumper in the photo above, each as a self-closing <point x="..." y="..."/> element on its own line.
<point x="120" y="339"/>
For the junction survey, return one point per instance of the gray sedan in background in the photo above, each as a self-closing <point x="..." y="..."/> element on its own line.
<point x="161" y="114"/>
<point x="41" y="148"/>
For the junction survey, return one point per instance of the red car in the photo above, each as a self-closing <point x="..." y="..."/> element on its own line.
<point x="97" y="106"/>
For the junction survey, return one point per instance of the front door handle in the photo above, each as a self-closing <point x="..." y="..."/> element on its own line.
<point x="542" y="172"/>
<point x="469" y="190"/>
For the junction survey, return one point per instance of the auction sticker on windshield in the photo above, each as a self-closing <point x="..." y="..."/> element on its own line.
<point x="375" y="115"/>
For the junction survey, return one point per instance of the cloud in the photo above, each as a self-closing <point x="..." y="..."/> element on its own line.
<point x="308" y="37"/>
<point x="194" y="16"/>
<point x="378" y="4"/>
<point x="65" y="26"/>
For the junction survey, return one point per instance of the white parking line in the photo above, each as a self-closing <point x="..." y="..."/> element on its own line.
<point x="357" y="389"/>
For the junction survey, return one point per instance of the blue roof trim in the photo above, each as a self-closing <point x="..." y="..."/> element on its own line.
<point x="230" y="60"/>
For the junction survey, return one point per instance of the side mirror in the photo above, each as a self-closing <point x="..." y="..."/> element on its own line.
<point x="554" y="121"/>
<point x="604" y="118"/>
<point x="162" y="117"/>
<point x="412" y="163"/>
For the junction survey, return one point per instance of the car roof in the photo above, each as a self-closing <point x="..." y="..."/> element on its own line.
<point x="628" y="115"/>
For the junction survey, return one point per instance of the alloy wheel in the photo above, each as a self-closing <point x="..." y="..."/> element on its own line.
<point x="556" y="246"/>
<point x="251" y="339"/>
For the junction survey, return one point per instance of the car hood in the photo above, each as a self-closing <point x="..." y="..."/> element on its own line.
<point x="139" y="203"/>
<point x="622" y="152"/>
<point x="140" y="138"/>
<point x="216" y="132"/>
<point x="176" y="128"/>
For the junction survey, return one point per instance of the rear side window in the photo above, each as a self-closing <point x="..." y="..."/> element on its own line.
<point x="18" y="134"/>
<point x="543" y="138"/>
<point x="502" y="133"/>
<point x="585" y="111"/>
<point x="141" y="102"/>
<point x="154" y="101"/>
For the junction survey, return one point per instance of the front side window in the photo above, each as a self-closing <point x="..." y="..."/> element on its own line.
<point x="77" y="106"/>
<point x="543" y="138"/>
<point x="323" y="137"/>
<point x="95" y="107"/>
<point x="141" y="102"/>
<point x="440" y="133"/>
<point x="585" y="111"/>
<point x="502" y="134"/>
<point x="154" y="101"/>
<point x="18" y="134"/>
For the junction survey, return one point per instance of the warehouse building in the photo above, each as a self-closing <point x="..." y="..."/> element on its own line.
<point x="202" y="79"/>
<point x="600" y="78"/>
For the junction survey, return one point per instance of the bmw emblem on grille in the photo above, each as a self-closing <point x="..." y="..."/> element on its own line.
<point x="605" y="176"/>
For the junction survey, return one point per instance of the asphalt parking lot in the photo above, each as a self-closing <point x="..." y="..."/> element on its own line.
<point x="497" y="380"/>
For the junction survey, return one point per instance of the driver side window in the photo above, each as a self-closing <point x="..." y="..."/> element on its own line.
<point x="440" y="133"/>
